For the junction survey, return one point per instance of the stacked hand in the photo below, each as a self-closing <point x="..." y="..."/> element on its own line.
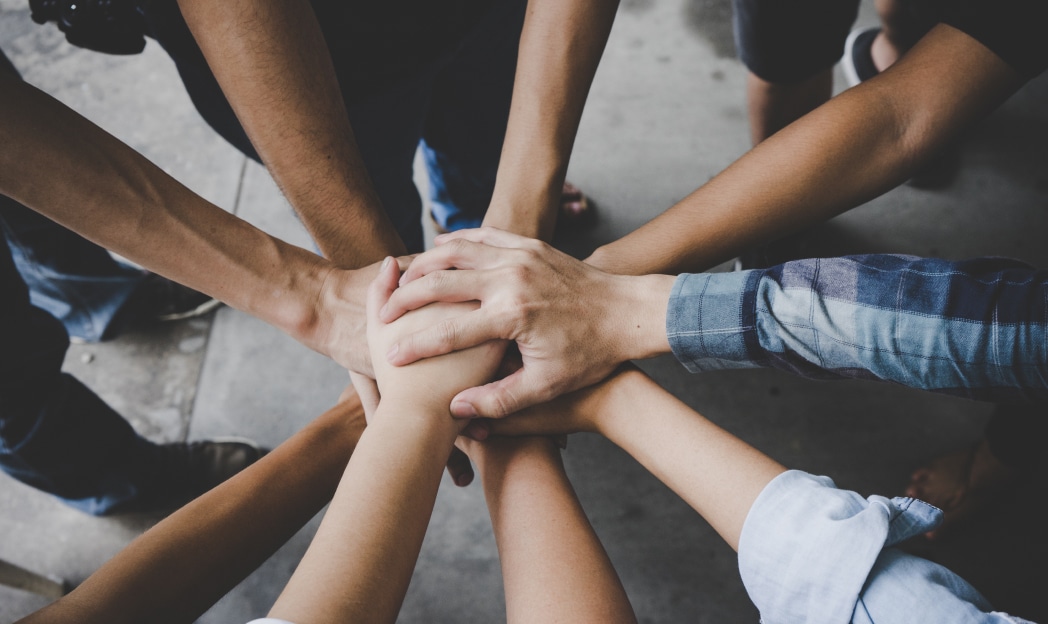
<point x="572" y="323"/>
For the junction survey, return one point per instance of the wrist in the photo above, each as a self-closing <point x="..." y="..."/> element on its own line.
<point x="636" y="315"/>
<point x="527" y="207"/>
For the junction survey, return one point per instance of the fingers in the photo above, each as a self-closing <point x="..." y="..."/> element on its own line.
<point x="382" y="287"/>
<point x="500" y="398"/>
<point x="461" y="254"/>
<point x="486" y="235"/>
<point x="446" y="286"/>
<point x="454" y="334"/>
<point x="459" y="468"/>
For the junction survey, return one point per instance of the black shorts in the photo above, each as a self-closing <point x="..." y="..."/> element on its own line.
<point x="786" y="41"/>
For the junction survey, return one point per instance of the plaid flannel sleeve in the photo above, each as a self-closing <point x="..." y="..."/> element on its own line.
<point x="976" y="328"/>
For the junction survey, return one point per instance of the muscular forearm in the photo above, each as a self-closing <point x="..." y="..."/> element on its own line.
<point x="179" y="568"/>
<point x="855" y="147"/>
<point x="65" y="167"/>
<point x="271" y="60"/>
<point x="560" y="47"/>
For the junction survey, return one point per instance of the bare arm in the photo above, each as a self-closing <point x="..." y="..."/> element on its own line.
<point x="271" y="60"/>
<point x="359" y="564"/>
<point x="554" y="567"/>
<point x="175" y="571"/>
<point x="110" y="194"/>
<point x="560" y="47"/>
<point x="717" y="474"/>
<point x="853" y="148"/>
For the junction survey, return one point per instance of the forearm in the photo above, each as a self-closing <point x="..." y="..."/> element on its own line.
<point x="110" y="194"/>
<point x="974" y="328"/>
<point x="560" y="48"/>
<point x="717" y="474"/>
<point x="554" y="567"/>
<point x="272" y="62"/>
<point x="855" y="147"/>
<point x="179" y="568"/>
<point x="359" y="564"/>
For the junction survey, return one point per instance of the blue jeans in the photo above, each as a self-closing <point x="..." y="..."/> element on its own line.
<point x="55" y="434"/>
<point x="440" y="80"/>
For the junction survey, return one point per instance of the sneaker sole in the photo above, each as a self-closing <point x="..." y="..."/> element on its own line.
<point x="200" y="310"/>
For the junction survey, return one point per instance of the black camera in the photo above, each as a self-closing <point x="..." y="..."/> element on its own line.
<point x="110" y="26"/>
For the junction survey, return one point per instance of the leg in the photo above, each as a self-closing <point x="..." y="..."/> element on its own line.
<point x="58" y="436"/>
<point x="467" y="118"/>
<point x="55" y="434"/>
<point x="553" y="565"/>
<point x="70" y="277"/>
<point x="790" y="49"/>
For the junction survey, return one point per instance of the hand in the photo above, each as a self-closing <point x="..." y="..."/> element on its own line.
<point x="572" y="323"/>
<point x="430" y="384"/>
<point x="584" y="410"/>
<point x="340" y="329"/>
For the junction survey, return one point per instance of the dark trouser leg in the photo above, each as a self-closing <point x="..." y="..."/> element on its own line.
<point x="467" y="119"/>
<point x="70" y="277"/>
<point x="55" y="434"/>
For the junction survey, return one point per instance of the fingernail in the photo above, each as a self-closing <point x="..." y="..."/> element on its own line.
<point x="462" y="409"/>
<point x="385" y="263"/>
<point x="392" y="352"/>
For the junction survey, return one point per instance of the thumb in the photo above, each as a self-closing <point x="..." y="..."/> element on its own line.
<point x="382" y="287"/>
<point x="499" y="398"/>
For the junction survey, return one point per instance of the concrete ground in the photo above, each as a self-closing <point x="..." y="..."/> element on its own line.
<point x="665" y="114"/>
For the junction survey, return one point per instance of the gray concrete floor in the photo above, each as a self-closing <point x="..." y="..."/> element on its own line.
<point x="665" y="114"/>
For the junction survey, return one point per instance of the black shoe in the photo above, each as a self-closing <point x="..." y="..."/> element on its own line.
<point x="184" y="470"/>
<point x="857" y="61"/>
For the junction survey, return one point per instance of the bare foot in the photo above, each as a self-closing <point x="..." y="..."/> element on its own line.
<point x="961" y="483"/>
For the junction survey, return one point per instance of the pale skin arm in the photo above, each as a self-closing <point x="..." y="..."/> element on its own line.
<point x="554" y="567"/>
<point x="359" y="564"/>
<point x="717" y="474"/>
<point x="856" y="146"/>
<point x="560" y="48"/>
<point x="113" y="196"/>
<point x="175" y="571"/>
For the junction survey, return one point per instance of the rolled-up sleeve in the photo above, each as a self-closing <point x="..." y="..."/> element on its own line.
<point x="977" y="328"/>
<point x="810" y="552"/>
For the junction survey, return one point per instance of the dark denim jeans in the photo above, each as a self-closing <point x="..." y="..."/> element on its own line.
<point x="55" y="434"/>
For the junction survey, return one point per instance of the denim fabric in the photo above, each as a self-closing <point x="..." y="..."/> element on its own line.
<point x="811" y="553"/>
<point x="55" y="434"/>
<point x="977" y="328"/>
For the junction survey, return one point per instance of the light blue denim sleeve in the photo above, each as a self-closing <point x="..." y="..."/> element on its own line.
<point x="812" y="553"/>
